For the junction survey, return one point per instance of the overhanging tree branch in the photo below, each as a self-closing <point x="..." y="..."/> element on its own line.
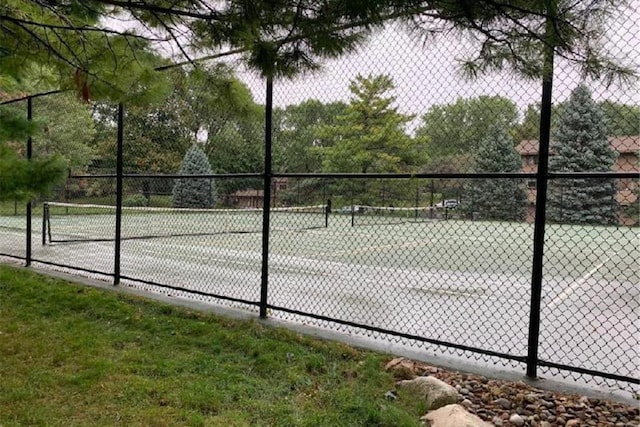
<point x="131" y="5"/>
<point x="80" y="29"/>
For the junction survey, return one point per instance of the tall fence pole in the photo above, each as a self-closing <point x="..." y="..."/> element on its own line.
<point x="266" y="204"/>
<point x="119" y="161"/>
<point x="28" y="254"/>
<point x="542" y="179"/>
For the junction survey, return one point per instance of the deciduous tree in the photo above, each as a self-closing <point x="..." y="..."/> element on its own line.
<point x="298" y="138"/>
<point x="620" y="119"/>
<point x="451" y="131"/>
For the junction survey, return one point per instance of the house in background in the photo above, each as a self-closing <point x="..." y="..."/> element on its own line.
<point x="628" y="149"/>
<point x="254" y="198"/>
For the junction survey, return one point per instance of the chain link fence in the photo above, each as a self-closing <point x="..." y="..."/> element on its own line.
<point x="401" y="203"/>
<point x="12" y="214"/>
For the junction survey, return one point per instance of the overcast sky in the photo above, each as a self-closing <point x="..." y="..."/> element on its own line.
<point x="428" y="74"/>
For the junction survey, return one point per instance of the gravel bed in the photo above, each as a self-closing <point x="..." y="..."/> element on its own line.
<point x="508" y="403"/>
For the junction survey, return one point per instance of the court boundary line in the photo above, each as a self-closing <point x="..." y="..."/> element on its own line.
<point x="569" y="290"/>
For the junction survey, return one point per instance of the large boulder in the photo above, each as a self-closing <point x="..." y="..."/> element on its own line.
<point x="434" y="392"/>
<point x="452" y="416"/>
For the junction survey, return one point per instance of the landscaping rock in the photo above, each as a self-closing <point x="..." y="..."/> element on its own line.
<point x="401" y="368"/>
<point x="552" y="409"/>
<point x="467" y="403"/>
<point x="516" y="420"/>
<point x="434" y="392"/>
<point x="503" y="403"/>
<point x="452" y="416"/>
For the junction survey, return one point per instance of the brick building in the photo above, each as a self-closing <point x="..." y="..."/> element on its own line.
<point x="254" y="198"/>
<point x="628" y="149"/>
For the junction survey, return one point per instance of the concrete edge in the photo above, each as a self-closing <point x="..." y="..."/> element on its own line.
<point x="361" y="342"/>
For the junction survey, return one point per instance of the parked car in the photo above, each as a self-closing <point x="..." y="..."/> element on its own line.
<point x="352" y="208"/>
<point x="450" y="203"/>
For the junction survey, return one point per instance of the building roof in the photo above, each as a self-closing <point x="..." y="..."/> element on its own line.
<point x="622" y="144"/>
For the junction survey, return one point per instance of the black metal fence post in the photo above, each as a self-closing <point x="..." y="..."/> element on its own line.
<point x="29" y="213"/>
<point x="541" y="197"/>
<point x="119" y="169"/>
<point x="45" y="215"/>
<point x="353" y="215"/>
<point x="266" y="204"/>
<point x="327" y="212"/>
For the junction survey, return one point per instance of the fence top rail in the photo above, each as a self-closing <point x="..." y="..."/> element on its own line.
<point x="36" y="95"/>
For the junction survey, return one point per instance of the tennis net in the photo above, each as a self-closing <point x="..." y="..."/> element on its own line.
<point x="70" y="222"/>
<point x="382" y="215"/>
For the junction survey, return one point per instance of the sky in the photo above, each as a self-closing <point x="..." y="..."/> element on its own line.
<point x="427" y="74"/>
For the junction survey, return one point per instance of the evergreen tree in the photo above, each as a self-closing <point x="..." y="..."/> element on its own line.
<point x="369" y="137"/>
<point x="194" y="192"/>
<point x="498" y="199"/>
<point x="581" y="145"/>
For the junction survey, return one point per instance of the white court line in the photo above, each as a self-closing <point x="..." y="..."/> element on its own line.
<point x="572" y="288"/>
<point x="575" y="285"/>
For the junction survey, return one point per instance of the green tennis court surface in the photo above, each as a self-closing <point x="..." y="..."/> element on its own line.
<point x="458" y="281"/>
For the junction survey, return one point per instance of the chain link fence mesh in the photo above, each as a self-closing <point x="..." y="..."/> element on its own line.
<point x="12" y="213"/>
<point x="589" y="315"/>
<point x="68" y="127"/>
<point x="432" y="258"/>
<point x="422" y="257"/>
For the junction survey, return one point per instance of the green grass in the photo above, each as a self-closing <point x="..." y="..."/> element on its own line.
<point x="75" y="355"/>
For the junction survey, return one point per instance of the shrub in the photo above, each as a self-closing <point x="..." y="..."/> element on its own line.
<point x="135" y="200"/>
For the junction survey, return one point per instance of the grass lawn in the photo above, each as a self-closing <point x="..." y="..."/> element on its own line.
<point x="75" y="355"/>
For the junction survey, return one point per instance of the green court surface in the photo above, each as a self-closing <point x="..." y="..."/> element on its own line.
<point x="571" y="251"/>
<point x="466" y="282"/>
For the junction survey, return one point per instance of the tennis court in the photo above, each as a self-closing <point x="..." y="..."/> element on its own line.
<point x="459" y="281"/>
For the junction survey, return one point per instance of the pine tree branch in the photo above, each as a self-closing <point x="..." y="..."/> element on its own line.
<point x="298" y="37"/>
<point x="169" y="30"/>
<point x="140" y="5"/>
<point x="80" y="29"/>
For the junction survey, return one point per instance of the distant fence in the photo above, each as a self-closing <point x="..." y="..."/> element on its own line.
<point x="517" y="267"/>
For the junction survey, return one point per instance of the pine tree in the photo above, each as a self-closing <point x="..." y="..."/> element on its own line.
<point x="194" y="192"/>
<point x="497" y="199"/>
<point x="580" y="144"/>
<point x="368" y="136"/>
